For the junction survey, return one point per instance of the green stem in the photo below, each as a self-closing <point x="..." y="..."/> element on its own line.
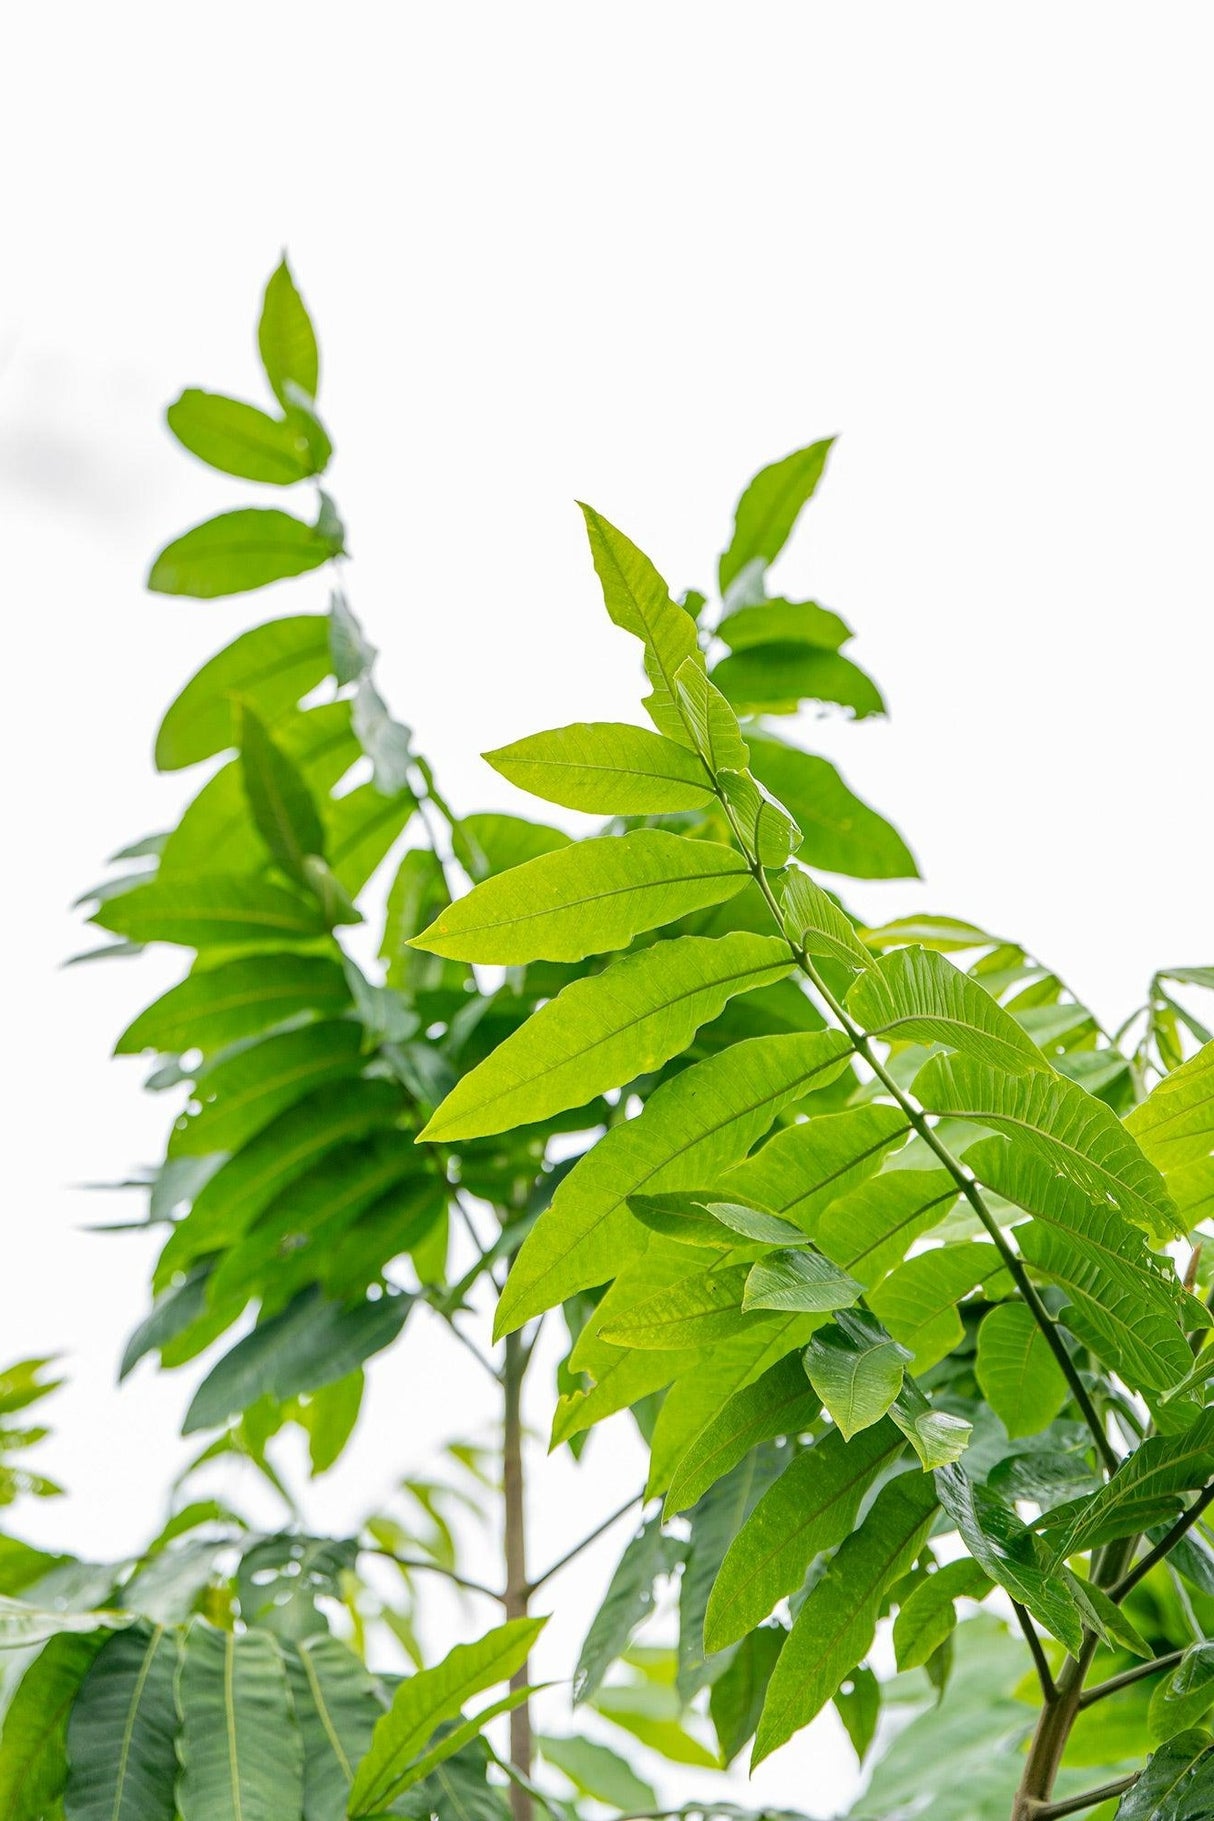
<point x="518" y="1591"/>
<point x="1164" y="1546"/>
<point x="1128" y="1677"/>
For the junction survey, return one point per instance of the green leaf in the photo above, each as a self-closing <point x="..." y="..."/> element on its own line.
<point x="1019" y="1376"/>
<point x="840" y="833"/>
<point x="595" y="1770"/>
<point x="1183" y="1698"/>
<point x="1175" y="1123"/>
<point x="647" y="1557"/>
<point x="286" y="817"/>
<point x="584" y="899"/>
<point x="776" y="679"/>
<point x="1010" y="1554"/>
<point x="801" y="1280"/>
<point x="737" y="1696"/>
<point x="766" y="829"/>
<point x="928" y="1617"/>
<point x="648" y="1711"/>
<point x="868" y="1230"/>
<point x="917" y="1302"/>
<point x="212" y="912"/>
<point x="604" y="1031"/>
<point x="286" y="339"/>
<point x="1056" y="1121"/>
<point x="691" y="1129"/>
<point x="313" y="1342"/>
<point x="33" y="1746"/>
<point x="269" y="668"/>
<point x="916" y="995"/>
<point x="856" y="1374"/>
<point x="336" y="1706"/>
<point x="351" y="652"/>
<point x="216" y="1006"/>
<point x="424" y="1701"/>
<point x="715" y="1521"/>
<point x="241" y="550"/>
<point x="781" y="622"/>
<point x="780" y="1402"/>
<point x="802" y="1171"/>
<point x="638" y="600"/>
<point x="240" y="1093"/>
<point x="121" y="1740"/>
<point x="239" y="439"/>
<point x="754" y="1223"/>
<point x="362" y="826"/>
<point x="769" y="508"/>
<point x="607" y="769"/>
<point x="810" y="1508"/>
<point x="858" y="1705"/>
<point x="386" y="742"/>
<point x="700" y="1309"/>
<point x="1105" y="1618"/>
<point x="1177" y="1784"/>
<point x="835" y="1625"/>
<point x="240" y="1748"/>
<point x="710" y="720"/>
<point x="815" y="923"/>
<point x="1145" y="1489"/>
<point x="684" y="1217"/>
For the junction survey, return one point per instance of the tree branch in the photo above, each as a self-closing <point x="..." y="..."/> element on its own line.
<point x="1164" y="1546"/>
<point x="428" y="1567"/>
<point x="1128" y="1676"/>
<point x="1045" y="1674"/>
<point x="599" y="1530"/>
<point x="1073" y="1805"/>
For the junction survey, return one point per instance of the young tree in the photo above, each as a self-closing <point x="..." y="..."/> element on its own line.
<point x="873" y="1230"/>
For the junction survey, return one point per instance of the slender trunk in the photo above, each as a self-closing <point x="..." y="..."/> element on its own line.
<point x="517" y="1591"/>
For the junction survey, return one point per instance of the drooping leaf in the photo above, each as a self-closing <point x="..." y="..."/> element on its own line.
<point x="802" y="1280"/>
<point x="237" y="551"/>
<point x="692" y="1128"/>
<point x="240" y="1747"/>
<point x="424" y="1701"/>
<point x="213" y="912"/>
<point x="810" y="1508"/>
<point x="857" y="1373"/>
<point x="916" y="995"/>
<point x="629" y="1597"/>
<point x="716" y="1519"/>
<point x="737" y="1696"/>
<point x="122" y="1733"/>
<point x="638" y="600"/>
<point x="313" y="1342"/>
<point x="928" y="1617"/>
<point x="216" y="1006"/>
<point x="286" y="339"/>
<point x="780" y="1402"/>
<point x="385" y="741"/>
<point x="585" y="899"/>
<point x="815" y="923"/>
<point x="336" y="1706"/>
<point x="1010" y="1554"/>
<point x="33" y="1745"/>
<point x="834" y="1628"/>
<point x="1056" y="1121"/>
<point x="765" y="827"/>
<point x="607" y="769"/>
<point x="603" y="1031"/>
<point x="776" y="679"/>
<point x="1019" y="1376"/>
<point x="769" y="508"/>
<point x="868" y="1230"/>
<point x="595" y="1770"/>
<point x="840" y="833"/>
<point x="239" y="439"/>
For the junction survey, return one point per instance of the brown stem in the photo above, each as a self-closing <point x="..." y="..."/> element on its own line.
<point x="517" y="1590"/>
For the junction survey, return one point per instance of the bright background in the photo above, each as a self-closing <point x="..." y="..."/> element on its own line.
<point x="625" y="252"/>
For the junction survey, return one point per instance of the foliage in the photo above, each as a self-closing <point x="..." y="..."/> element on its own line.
<point x="876" y="1231"/>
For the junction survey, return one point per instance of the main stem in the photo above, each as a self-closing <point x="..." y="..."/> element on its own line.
<point x="518" y="1591"/>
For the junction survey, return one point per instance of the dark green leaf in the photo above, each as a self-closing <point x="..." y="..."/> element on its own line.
<point x="737" y="1696"/>
<point x="240" y="1748"/>
<point x="1010" y="1554"/>
<point x="33" y="1747"/>
<point x="648" y="1556"/>
<point x="122" y="1733"/>
<point x="1177" y="1784"/>
<point x="857" y="1374"/>
<point x="336" y="1705"/>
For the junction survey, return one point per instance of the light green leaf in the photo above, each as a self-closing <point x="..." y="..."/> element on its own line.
<point x="753" y="1223"/>
<point x="801" y="1280"/>
<point x="691" y="1129"/>
<point x="1058" y="1122"/>
<point x="710" y="720"/>
<point x="916" y="995"/>
<point x="781" y="622"/>
<point x="336" y="1706"/>
<point x="937" y="1436"/>
<point x="638" y="600"/>
<point x="647" y="1557"/>
<point x="769" y="508"/>
<point x="1010" y="1554"/>
<point x="216" y="1006"/>
<point x="1106" y="1619"/>
<point x="776" y="679"/>
<point x="868" y="1230"/>
<point x="241" y="550"/>
<point x="286" y="339"/>
<point x="386" y="742"/>
<point x="603" y="1031"/>
<point x="1177" y="1784"/>
<point x="1019" y="1376"/>
<point x="1185" y="1696"/>
<point x="269" y="668"/>
<point x="33" y="1746"/>
<point x="780" y="1402"/>
<point x="361" y="827"/>
<point x="595" y="1770"/>
<point x="834" y="1628"/>
<point x="703" y="1308"/>
<point x="766" y="830"/>
<point x="810" y="1508"/>
<point x="918" y="1301"/>
<point x="240" y="1748"/>
<point x="584" y="899"/>
<point x="22" y="1624"/>
<point x="840" y="833"/>
<point x="314" y="1342"/>
<point x="606" y="768"/>
<point x="928" y="1617"/>
<point x="1175" y="1123"/>
<point x="1143" y="1491"/>
<point x="804" y="1169"/>
<point x="424" y="1701"/>
<point x="647" y="1711"/>
<point x="281" y="803"/>
<point x="856" y="1372"/>
<point x="815" y="923"/>
<point x="121" y="1740"/>
<point x="212" y="912"/>
<point x="239" y="439"/>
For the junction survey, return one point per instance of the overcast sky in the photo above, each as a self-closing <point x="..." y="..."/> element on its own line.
<point x="627" y="253"/>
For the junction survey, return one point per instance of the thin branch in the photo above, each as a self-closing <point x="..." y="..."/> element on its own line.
<point x="1165" y="1545"/>
<point x="1045" y="1674"/>
<point x="428" y="1567"/>
<point x="1091" y="1798"/>
<point x="595" y="1534"/>
<point x="1115" y="1684"/>
<point x="484" y="1254"/>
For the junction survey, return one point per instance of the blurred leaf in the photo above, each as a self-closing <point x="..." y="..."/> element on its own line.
<point x="239" y="439"/>
<point x="241" y="550"/>
<point x="286" y="339"/>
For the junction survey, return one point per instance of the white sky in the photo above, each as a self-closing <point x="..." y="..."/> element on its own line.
<point x="623" y="252"/>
